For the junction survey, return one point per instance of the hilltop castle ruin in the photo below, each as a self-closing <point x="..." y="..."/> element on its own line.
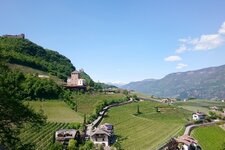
<point x="19" y="36"/>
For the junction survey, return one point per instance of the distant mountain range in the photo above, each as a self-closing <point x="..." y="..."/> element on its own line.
<point x="204" y="83"/>
<point x="117" y="84"/>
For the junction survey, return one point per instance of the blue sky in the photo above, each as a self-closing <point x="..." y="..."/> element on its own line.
<point x="123" y="40"/>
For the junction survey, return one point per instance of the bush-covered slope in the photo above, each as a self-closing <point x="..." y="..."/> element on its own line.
<point x="27" y="53"/>
<point x="29" y="86"/>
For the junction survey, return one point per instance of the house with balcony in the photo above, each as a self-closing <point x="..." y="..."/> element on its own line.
<point x="103" y="135"/>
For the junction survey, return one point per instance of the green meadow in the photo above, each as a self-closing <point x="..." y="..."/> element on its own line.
<point x="210" y="138"/>
<point x="148" y="129"/>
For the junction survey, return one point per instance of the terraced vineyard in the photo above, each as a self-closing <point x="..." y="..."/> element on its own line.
<point x="56" y="111"/>
<point x="149" y="129"/>
<point x="87" y="102"/>
<point x="210" y="138"/>
<point x="41" y="138"/>
<point x="199" y="105"/>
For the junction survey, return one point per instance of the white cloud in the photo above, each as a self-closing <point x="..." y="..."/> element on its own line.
<point x="173" y="58"/>
<point x="222" y="29"/>
<point x="204" y="42"/>
<point x="182" y="48"/>
<point x="207" y="42"/>
<point x="181" y="65"/>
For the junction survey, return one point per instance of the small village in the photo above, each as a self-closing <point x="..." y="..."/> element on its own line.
<point x="103" y="134"/>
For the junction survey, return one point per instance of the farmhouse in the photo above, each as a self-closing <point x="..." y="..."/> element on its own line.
<point x="64" y="135"/>
<point x="75" y="81"/>
<point x="186" y="142"/>
<point x="198" y="116"/>
<point x="102" y="135"/>
<point x="168" y="100"/>
<point x="214" y="108"/>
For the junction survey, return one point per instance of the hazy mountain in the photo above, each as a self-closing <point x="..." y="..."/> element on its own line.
<point x="117" y="84"/>
<point x="203" y="83"/>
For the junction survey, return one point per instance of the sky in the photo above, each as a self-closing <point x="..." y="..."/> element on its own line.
<point x="121" y="41"/>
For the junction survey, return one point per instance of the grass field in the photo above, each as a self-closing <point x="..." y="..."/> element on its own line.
<point x="30" y="70"/>
<point x="199" y="105"/>
<point x="210" y="138"/>
<point x="56" y="111"/>
<point x="145" y="96"/>
<point x="42" y="138"/>
<point x="149" y="129"/>
<point x="87" y="102"/>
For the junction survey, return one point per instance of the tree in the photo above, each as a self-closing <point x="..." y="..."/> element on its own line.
<point x="125" y="92"/>
<point x="72" y="144"/>
<point x="76" y="105"/>
<point x="84" y="122"/>
<point x="157" y="109"/>
<point x="212" y="115"/>
<point x="74" y="125"/>
<point x="13" y="114"/>
<point x="138" y="110"/>
<point x="135" y="97"/>
<point x="88" y="145"/>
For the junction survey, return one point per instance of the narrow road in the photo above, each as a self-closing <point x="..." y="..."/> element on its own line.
<point x="189" y="128"/>
<point x="96" y="122"/>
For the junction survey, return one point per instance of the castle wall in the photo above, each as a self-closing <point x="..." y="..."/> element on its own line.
<point x="19" y="36"/>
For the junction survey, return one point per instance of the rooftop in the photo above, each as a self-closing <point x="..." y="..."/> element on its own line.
<point x="100" y="131"/>
<point x="75" y="71"/>
<point x="186" y="139"/>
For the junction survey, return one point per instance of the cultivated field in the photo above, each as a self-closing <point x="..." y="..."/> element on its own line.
<point x="149" y="129"/>
<point x="56" y="111"/>
<point x="199" y="105"/>
<point x="87" y="102"/>
<point x="41" y="138"/>
<point x="210" y="138"/>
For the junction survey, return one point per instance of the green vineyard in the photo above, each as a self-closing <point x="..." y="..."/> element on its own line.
<point x="41" y="138"/>
<point x="211" y="137"/>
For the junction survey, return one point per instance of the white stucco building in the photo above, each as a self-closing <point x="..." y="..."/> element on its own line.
<point x="198" y="116"/>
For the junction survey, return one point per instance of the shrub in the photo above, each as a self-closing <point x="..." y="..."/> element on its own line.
<point x="74" y="125"/>
<point x="72" y="145"/>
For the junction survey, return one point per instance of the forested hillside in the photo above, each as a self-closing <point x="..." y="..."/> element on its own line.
<point x="204" y="83"/>
<point x="27" y="53"/>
